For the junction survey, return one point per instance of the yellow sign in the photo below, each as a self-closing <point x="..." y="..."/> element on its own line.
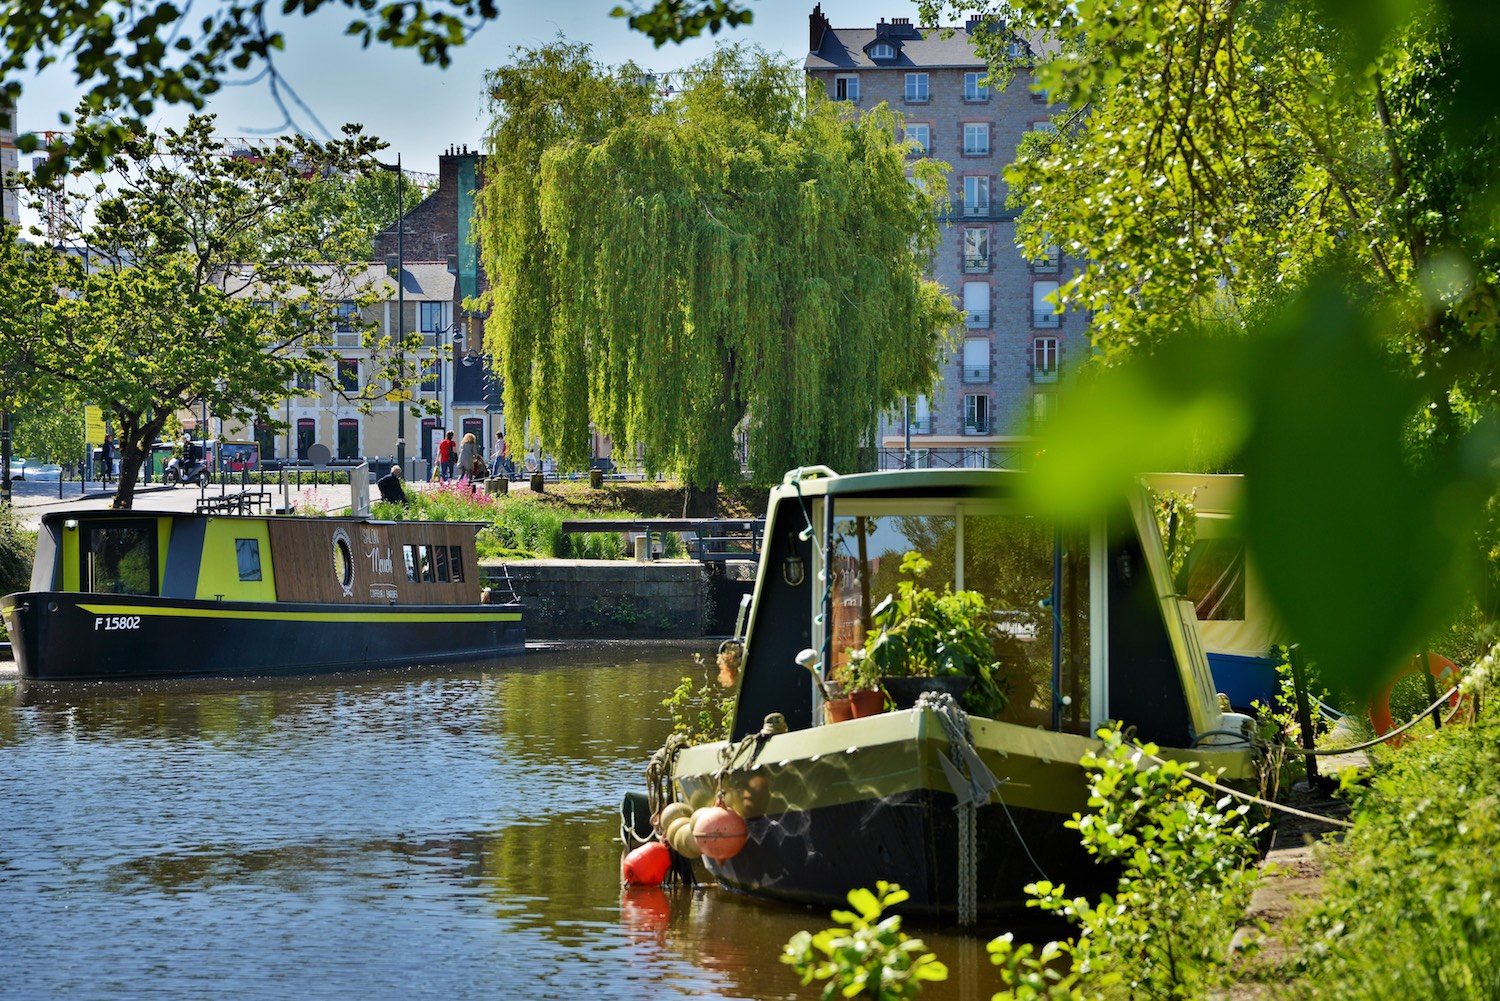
<point x="93" y="421"/>
<point x="399" y="394"/>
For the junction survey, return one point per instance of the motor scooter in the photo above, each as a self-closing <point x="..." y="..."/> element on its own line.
<point x="195" y="472"/>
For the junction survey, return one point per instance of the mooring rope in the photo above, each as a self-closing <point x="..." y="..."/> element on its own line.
<point x="956" y="727"/>
<point x="1389" y="734"/>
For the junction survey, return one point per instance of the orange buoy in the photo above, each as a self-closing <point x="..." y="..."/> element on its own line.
<point x="647" y="865"/>
<point x="1444" y="672"/>
<point x="718" y="831"/>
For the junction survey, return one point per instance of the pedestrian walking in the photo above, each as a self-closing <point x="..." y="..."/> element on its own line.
<point x="107" y="458"/>
<point x="446" y="450"/>
<point x="468" y="452"/>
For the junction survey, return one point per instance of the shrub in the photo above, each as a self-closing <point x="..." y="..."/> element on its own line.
<point x="1408" y="907"/>
<point x="17" y="551"/>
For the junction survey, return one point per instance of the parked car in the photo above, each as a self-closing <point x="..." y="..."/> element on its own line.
<point x="33" y="469"/>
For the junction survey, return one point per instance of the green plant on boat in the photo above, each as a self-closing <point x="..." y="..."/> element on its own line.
<point x="869" y="956"/>
<point x="919" y="632"/>
<point x="1177" y="522"/>
<point x="702" y="711"/>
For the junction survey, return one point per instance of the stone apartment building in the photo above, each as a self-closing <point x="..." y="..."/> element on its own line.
<point x="1000" y="381"/>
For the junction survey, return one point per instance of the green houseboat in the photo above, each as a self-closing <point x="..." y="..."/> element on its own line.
<point x="962" y="809"/>
<point x="136" y="594"/>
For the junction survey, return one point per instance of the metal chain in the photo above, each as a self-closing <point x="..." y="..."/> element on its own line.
<point x="956" y="726"/>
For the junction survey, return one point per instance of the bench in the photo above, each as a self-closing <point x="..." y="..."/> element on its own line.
<point x="246" y="502"/>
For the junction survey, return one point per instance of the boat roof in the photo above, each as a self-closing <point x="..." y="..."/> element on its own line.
<point x="111" y="514"/>
<point x="814" y="481"/>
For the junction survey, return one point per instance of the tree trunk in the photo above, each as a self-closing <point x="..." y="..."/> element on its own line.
<point x="130" y="471"/>
<point x="700" y="502"/>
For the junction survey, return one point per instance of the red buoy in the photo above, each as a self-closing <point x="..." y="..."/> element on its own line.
<point x="719" y="832"/>
<point x="647" y="865"/>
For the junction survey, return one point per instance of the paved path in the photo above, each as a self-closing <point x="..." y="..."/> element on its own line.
<point x="34" y="498"/>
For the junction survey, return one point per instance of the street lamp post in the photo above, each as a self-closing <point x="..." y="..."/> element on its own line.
<point x="400" y="310"/>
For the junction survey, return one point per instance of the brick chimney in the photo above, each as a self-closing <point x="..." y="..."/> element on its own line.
<point x="817" y="24"/>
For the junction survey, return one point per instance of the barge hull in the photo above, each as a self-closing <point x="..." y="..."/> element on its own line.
<point x="62" y="636"/>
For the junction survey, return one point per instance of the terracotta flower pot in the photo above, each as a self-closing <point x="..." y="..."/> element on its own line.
<point x="867" y="703"/>
<point x="838" y="709"/>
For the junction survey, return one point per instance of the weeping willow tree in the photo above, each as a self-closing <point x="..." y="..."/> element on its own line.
<point x="739" y="257"/>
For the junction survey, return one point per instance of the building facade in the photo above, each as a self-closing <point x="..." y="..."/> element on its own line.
<point x="425" y="303"/>
<point x="999" y="383"/>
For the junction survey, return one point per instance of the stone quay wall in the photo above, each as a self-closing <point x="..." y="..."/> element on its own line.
<point x="612" y="599"/>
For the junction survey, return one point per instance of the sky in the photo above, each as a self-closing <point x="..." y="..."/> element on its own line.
<point x="422" y="110"/>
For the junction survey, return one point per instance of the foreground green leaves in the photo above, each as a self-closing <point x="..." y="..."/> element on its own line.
<point x="1408" y="907"/>
<point x="870" y="956"/>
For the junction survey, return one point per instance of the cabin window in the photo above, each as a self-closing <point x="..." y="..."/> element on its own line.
<point x="411" y="563"/>
<point x="1008" y="559"/>
<point x="426" y="564"/>
<point x="247" y="553"/>
<point x="441" y="554"/>
<point x="1215" y="574"/>
<point x="121" y="559"/>
<point x="456" y="563"/>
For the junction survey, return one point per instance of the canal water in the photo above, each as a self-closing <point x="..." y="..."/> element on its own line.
<point x="403" y="836"/>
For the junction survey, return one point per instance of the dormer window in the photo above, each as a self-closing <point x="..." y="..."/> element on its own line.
<point x="882" y="50"/>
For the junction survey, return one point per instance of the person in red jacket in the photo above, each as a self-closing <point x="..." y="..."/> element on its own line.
<point x="446" y="455"/>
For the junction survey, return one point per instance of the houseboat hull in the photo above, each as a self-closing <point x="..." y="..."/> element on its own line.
<point x="61" y="636"/>
<point x="841" y="806"/>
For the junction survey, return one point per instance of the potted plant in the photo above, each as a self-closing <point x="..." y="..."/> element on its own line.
<point x="926" y="640"/>
<point x="859" y="680"/>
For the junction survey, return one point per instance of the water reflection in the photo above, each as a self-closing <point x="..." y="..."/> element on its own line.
<point x="407" y="835"/>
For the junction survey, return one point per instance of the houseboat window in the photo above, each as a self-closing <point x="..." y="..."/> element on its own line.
<point x="1215" y="574"/>
<point x="411" y="562"/>
<point x="427" y="564"/>
<point x="1010" y="560"/>
<point x="442" y="563"/>
<point x="121" y="559"/>
<point x="247" y="552"/>
<point x="867" y="551"/>
<point x="456" y="563"/>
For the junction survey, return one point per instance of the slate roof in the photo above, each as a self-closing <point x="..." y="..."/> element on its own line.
<point x="923" y="48"/>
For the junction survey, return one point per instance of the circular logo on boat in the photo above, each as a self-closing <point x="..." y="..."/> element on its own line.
<point x="343" y="561"/>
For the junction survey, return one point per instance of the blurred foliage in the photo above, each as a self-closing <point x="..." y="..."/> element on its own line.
<point x="869" y="956"/>
<point x="17" y="550"/>
<point x="1285" y="227"/>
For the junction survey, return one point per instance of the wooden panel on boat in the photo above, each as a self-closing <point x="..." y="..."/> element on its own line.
<point x="353" y="562"/>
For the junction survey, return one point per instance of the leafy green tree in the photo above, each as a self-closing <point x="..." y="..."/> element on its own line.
<point x="1314" y="205"/>
<point x="348" y="211"/>
<point x="52" y="432"/>
<point x="194" y="289"/>
<point x="673" y="271"/>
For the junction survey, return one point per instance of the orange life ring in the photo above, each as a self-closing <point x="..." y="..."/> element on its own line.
<point x="1444" y="672"/>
